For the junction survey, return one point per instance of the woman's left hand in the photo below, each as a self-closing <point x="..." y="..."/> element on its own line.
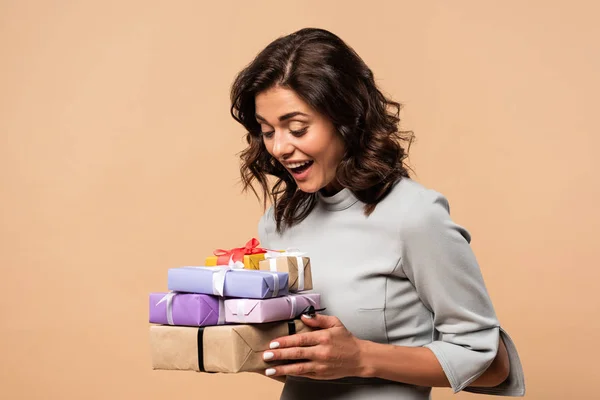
<point x="329" y="352"/>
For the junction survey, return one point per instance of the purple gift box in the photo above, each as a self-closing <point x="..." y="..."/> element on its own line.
<point x="269" y="310"/>
<point x="244" y="283"/>
<point x="185" y="309"/>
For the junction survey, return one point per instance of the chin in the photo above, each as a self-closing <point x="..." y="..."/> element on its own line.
<point x="308" y="188"/>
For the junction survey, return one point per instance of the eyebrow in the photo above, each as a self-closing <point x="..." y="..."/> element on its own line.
<point x="284" y="116"/>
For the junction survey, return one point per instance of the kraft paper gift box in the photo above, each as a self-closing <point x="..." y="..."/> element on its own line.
<point x="223" y="348"/>
<point x="250" y="255"/>
<point x="226" y="282"/>
<point x="295" y="264"/>
<point x="186" y="309"/>
<point x="269" y="310"/>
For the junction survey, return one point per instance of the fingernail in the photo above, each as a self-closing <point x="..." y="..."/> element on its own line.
<point x="274" y="345"/>
<point x="268" y="355"/>
<point x="307" y="316"/>
<point x="270" y="371"/>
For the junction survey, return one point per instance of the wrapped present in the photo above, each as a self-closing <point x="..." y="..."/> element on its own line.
<point x="224" y="348"/>
<point x="250" y="255"/>
<point x="228" y="281"/>
<point x="269" y="310"/>
<point x="187" y="309"/>
<point x="250" y="261"/>
<point x="294" y="263"/>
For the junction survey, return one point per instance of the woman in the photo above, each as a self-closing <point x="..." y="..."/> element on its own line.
<point x="407" y="308"/>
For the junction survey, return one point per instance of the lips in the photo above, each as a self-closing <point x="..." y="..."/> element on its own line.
<point x="298" y="164"/>
<point x="299" y="167"/>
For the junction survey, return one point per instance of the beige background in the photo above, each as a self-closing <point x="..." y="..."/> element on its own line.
<point x="118" y="161"/>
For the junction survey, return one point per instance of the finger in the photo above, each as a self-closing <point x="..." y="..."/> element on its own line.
<point x="296" y="369"/>
<point x="321" y="321"/>
<point x="293" y="353"/>
<point x="297" y="340"/>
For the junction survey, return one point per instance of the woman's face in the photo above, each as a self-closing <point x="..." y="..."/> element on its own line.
<point x="301" y="139"/>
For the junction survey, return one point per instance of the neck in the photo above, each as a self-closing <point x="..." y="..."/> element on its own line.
<point x="331" y="188"/>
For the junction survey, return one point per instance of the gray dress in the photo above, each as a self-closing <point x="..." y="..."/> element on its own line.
<point x="406" y="275"/>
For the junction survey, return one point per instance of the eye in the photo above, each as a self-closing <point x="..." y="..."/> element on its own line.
<point x="266" y="130"/>
<point x="299" y="132"/>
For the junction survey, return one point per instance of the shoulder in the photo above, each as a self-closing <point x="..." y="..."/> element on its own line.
<point x="410" y="199"/>
<point x="268" y="217"/>
<point x="266" y="226"/>
<point x="418" y="210"/>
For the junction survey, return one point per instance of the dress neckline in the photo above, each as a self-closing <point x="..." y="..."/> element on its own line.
<point x="339" y="201"/>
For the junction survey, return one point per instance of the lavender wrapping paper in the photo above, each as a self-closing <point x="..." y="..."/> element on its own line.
<point x="269" y="310"/>
<point x="189" y="309"/>
<point x="252" y="284"/>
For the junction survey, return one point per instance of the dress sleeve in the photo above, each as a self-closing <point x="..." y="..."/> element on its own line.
<point x="438" y="260"/>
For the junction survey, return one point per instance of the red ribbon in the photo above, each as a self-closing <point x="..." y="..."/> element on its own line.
<point x="238" y="253"/>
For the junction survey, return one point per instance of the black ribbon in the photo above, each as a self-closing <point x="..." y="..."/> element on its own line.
<point x="291" y="327"/>
<point x="200" y="341"/>
<point x="310" y="310"/>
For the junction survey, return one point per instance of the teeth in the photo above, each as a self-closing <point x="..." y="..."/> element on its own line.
<point x="298" y="164"/>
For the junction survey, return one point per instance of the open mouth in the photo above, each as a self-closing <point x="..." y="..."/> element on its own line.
<point x="301" y="168"/>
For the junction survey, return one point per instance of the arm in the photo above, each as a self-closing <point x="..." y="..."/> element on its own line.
<point x="472" y="352"/>
<point x="419" y="366"/>
<point x="439" y="262"/>
<point x="496" y="373"/>
<point x="332" y="352"/>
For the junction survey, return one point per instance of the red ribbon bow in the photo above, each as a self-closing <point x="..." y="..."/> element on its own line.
<point x="238" y="253"/>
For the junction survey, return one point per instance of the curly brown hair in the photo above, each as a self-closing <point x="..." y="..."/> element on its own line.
<point x="328" y="75"/>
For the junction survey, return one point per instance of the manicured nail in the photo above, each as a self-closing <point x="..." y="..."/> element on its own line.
<point x="268" y="355"/>
<point x="274" y="345"/>
<point x="270" y="371"/>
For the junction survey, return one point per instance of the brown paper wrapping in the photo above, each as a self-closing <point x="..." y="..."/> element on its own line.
<point x="290" y="265"/>
<point x="227" y="348"/>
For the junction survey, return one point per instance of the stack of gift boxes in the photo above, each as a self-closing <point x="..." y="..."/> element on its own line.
<point x="221" y="317"/>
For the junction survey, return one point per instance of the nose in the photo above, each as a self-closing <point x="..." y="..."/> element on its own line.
<point x="282" y="146"/>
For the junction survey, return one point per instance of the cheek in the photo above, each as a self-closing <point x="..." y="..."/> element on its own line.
<point x="268" y="146"/>
<point x="336" y="151"/>
<point x="328" y="148"/>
